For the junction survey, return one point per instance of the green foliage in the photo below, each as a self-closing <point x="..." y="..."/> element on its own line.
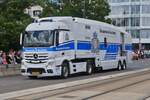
<point x="13" y="20"/>
<point x="91" y="9"/>
<point x="12" y="23"/>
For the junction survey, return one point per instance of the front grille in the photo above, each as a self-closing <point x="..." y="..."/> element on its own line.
<point x="40" y="70"/>
<point x="41" y="57"/>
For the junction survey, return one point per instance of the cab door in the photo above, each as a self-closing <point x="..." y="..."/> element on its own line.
<point x="64" y="45"/>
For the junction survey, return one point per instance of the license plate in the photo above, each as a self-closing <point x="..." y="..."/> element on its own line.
<point x="35" y="73"/>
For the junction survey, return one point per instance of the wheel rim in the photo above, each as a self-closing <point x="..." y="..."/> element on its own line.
<point x="90" y="70"/>
<point x="65" y="71"/>
<point x="124" y="65"/>
<point x="119" y="66"/>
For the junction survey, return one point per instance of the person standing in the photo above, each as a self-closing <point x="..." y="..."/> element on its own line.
<point x="1" y="57"/>
<point x="4" y="61"/>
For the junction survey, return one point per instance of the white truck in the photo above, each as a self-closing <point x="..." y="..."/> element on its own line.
<point x="61" y="46"/>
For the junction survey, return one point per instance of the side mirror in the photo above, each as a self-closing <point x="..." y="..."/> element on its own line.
<point x="21" y="38"/>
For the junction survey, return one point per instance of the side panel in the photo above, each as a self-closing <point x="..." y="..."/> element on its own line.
<point x="107" y="55"/>
<point x="128" y="47"/>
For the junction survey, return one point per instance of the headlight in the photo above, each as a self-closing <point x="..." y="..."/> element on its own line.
<point x="22" y="63"/>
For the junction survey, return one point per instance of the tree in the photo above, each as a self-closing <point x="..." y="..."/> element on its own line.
<point x="91" y="9"/>
<point x="13" y="21"/>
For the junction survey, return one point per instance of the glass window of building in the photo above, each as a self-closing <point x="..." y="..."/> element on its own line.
<point x="145" y="0"/>
<point x="37" y="12"/>
<point x="145" y="9"/>
<point x="125" y="9"/>
<point x="135" y="0"/>
<point x="135" y="9"/>
<point x="135" y="21"/>
<point x="114" y="21"/>
<point x="146" y="21"/>
<point x="135" y="33"/>
<point x="126" y="21"/>
<point x="119" y="10"/>
<point x="145" y="33"/>
<point x="120" y="21"/>
<point x="117" y="1"/>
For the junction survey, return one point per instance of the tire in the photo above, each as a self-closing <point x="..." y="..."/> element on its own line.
<point x="119" y="67"/>
<point x="89" y="68"/>
<point x="32" y="77"/>
<point x="65" y="70"/>
<point x="124" y="65"/>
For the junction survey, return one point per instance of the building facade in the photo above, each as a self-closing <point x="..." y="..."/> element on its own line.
<point x="34" y="11"/>
<point x="55" y="1"/>
<point x="134" y="17"/>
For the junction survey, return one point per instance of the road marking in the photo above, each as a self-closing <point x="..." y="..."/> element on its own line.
<point x="64" y="85"/>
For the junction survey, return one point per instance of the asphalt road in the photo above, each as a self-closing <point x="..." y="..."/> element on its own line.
<point x="130" y="87"/>
<point x="14" y="83"/>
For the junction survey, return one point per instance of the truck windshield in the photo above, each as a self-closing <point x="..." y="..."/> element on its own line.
<point x="38" y="38"/>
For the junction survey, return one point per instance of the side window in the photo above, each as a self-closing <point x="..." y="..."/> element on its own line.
<point x="88" y="27"/>
<point x="61" y="37"/>
<point x="66" y="36"/>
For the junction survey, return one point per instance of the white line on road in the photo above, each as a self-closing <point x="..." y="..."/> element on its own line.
<point x="63" y="85"/>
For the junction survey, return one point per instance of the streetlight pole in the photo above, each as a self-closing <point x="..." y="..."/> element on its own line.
<point x="140" y="45"/>
<point x="84" y="15"/>
<point x="84" y="9"/>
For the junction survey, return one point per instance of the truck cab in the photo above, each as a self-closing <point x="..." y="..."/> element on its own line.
<point x="43" y="48"/>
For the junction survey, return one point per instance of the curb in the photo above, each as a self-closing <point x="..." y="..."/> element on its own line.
<point x="64" y="85"/>
<point x="9" y="70"/>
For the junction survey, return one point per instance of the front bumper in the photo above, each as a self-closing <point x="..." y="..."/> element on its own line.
<point x="41" y="72"/>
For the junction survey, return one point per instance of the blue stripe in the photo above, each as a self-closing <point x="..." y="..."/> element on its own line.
<point x="128" y="47"/>
<point x="111" y="54"/>
<point x="66" y="46"/>
<point x="63" y="46"/>
<point x="111" y="49"/>
<point x="83" y="45"/>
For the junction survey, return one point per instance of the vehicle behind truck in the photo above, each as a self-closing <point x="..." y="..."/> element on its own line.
<point x="61" y="46"/>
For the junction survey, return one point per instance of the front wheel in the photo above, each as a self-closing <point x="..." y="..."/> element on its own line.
<point x="65" y="70"/>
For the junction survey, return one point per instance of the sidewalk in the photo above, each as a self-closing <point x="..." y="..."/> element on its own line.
<point x="9" y="70"/>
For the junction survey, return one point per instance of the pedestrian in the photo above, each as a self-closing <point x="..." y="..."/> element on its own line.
<point x="11" y="56"/>
<point x="1" y="57"/>
<point x="17" y="57"/>
<point x="4" y="61"/>
<point x="9" y="59"/>
<point x="142" y="54"/>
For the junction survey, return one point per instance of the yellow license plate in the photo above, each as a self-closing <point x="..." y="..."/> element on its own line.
<point x="35" y="73"/>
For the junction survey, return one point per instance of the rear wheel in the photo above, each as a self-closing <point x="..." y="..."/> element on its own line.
<point x="124" y="65"/>
<point x="65" y="70"/>
<point x="119" y="66"/>
<point x="89" y="67"/>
